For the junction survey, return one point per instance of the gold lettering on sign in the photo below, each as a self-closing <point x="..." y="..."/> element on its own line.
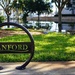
<point x="4" y="47"/>
<point x="18" y="47"/>
<point x="25" y="47"/>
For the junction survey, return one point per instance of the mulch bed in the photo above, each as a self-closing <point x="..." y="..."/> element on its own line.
<point x="4" y="33"/>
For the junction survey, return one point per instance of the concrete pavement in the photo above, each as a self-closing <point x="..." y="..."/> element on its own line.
<point x="40" y="68"/>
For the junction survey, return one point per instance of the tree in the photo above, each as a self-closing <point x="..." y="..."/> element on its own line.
<point x="1" y="19"/>
<point x="5" y="4"/>
<point x="33" y="6"/>
<point x="20" y="6"/>
<point x="41" y="7"/>
<point x="27" y="8"/>
<point x="30" y="6"/>
<point x="60" y="5"/>
<point x="69" y="5"/>
<point x="17" y="7"/>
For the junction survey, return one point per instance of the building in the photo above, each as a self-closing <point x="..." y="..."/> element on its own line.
<point x="73" y="6"/>
<point x="70" y="9"/>
<point x="69" y="12"/>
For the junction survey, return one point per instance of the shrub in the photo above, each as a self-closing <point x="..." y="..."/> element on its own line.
<point x="1" y="19"/>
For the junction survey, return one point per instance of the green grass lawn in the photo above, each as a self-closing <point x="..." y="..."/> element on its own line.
<point x="48" y="47"/>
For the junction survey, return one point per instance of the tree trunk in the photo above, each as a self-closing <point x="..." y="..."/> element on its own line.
<point x="59" y="17"/>
<point x="8" y="20"/>
<point x="25" y="18"/>
<point x="38" y="20"/>
<point x="59" y="22"/>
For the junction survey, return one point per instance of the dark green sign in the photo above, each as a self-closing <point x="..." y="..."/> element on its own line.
<point x="18" y="47"/>
<point x="15" y="47"/>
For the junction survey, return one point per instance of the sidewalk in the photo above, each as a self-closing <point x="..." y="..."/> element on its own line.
<point x="40" y="68"/>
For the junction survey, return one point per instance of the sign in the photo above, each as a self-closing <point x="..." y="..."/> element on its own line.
<point x="18" y="47"/>
<point x="15" y="47"/>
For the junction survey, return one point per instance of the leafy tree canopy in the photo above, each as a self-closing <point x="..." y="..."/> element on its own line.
<point x="60" y="3"/>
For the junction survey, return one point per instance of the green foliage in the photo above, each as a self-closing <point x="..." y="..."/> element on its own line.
<point x="30" y="6"/>
<point x="17" y="4"/>
<point x="41" y="6"/>
<point x="5" y="4"/>
<point x="48" y="47"/>
<point x="1" y="19"/>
